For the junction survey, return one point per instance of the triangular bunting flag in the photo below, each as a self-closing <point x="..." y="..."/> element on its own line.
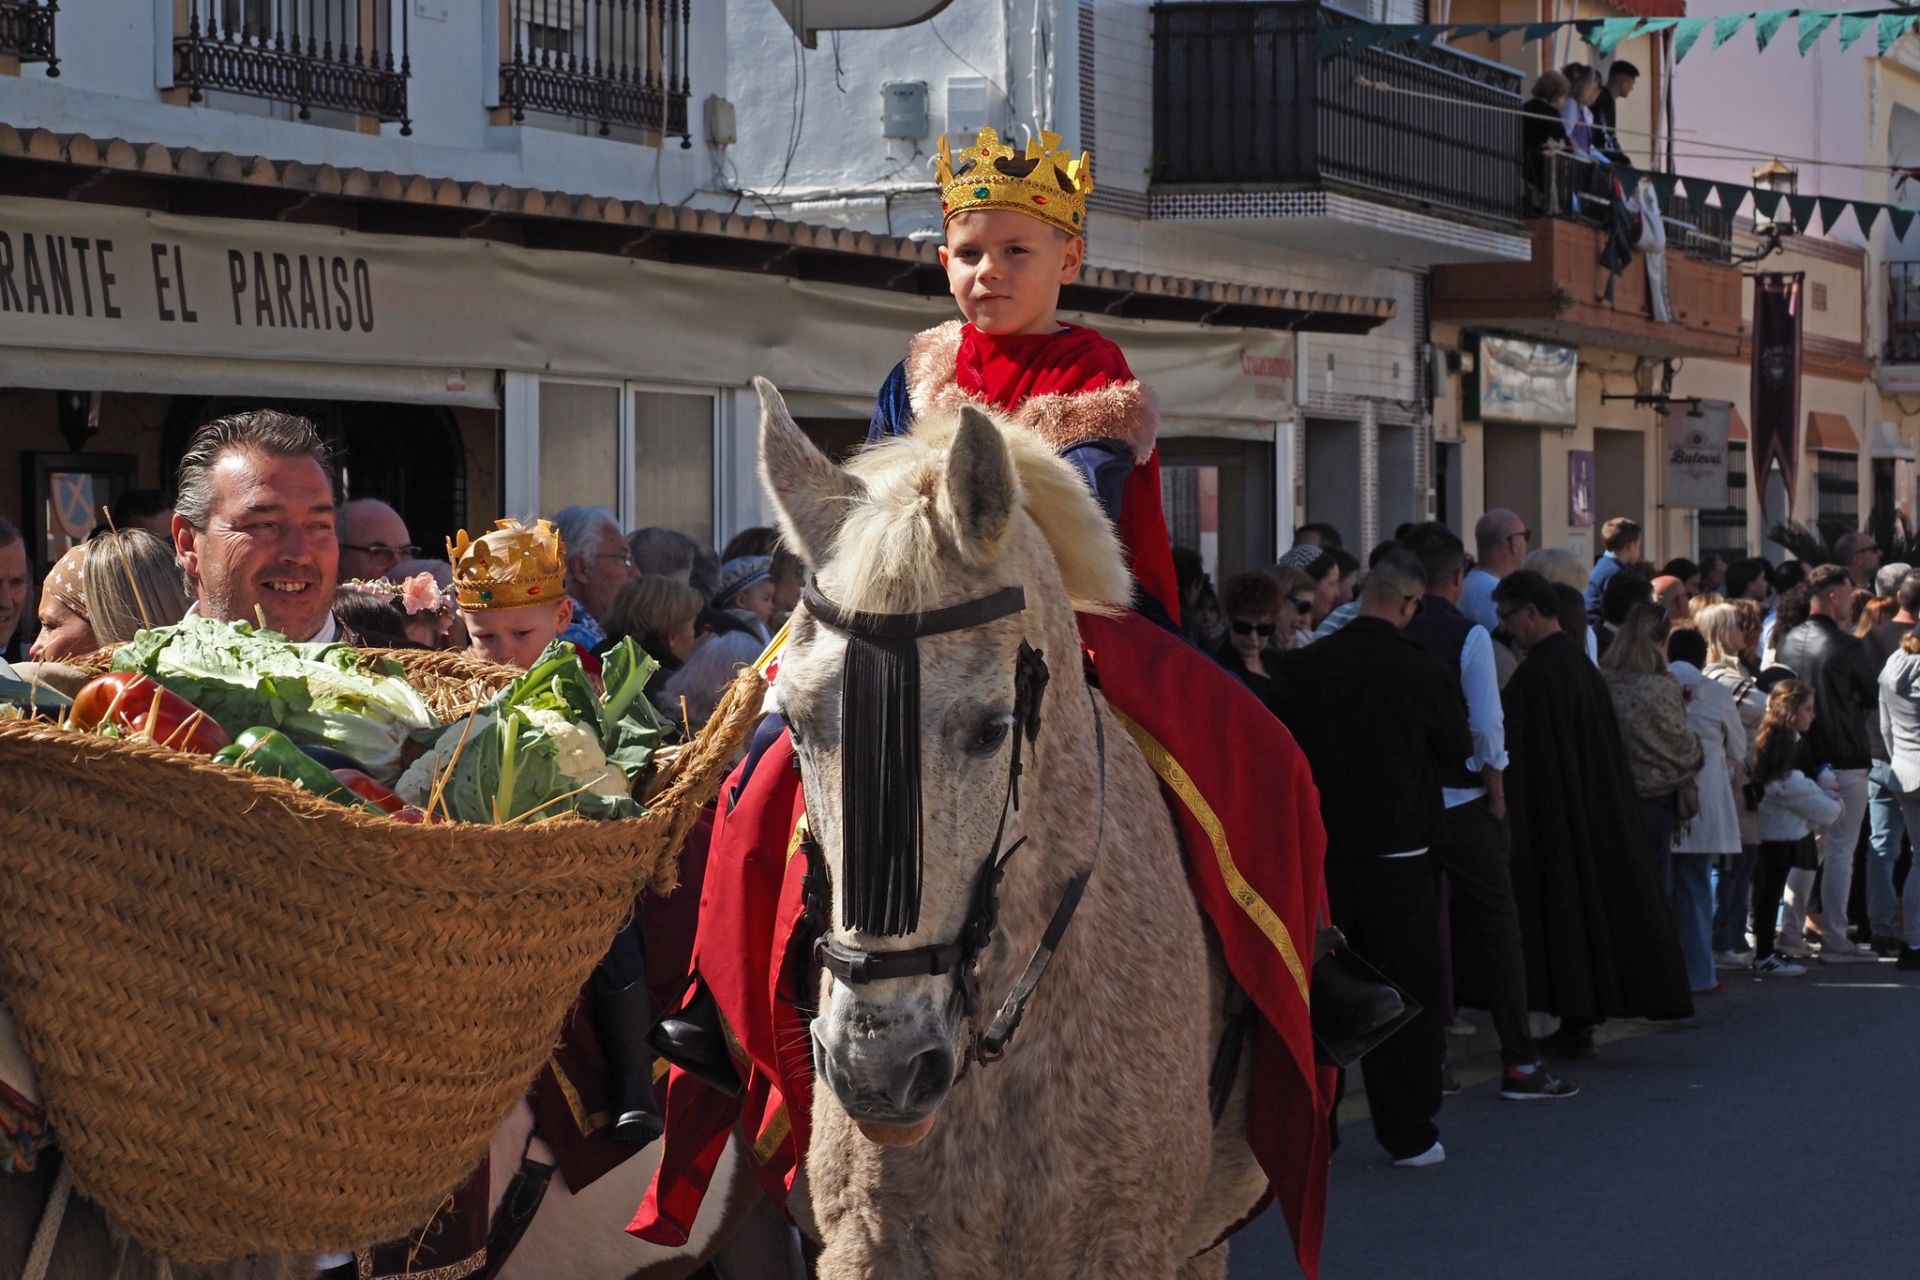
<point x="1852" y="27"/>
<point x="1732" y="196"/>
<point x="1664" y="184"/>
<point x="1899" y="219"/>
<point x="1812" y="23"/>
<point x="1539" y="31"/>
<point x="1831" y="207"/>
<point x="1685" y="32"/>
<point x="1612" y="31"/>
<point x="1766" y="23"/>
<point x="1892" y="26"/>
<point x="1766" y="204"/>
<point x="1467" y="30"/>
<point x="1501" y="30"/>
<point x="1726" y="25"/>
<point x="1802" y="207"/>
<point x="1866" y="213"/>
<point x="1654" y="26"/>
<point x="1695" y="191"/>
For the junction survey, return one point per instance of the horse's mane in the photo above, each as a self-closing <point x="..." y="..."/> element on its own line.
<point x="890" y="549"/>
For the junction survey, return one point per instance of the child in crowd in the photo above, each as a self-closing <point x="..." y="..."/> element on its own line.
<point x="1792" y="807"/>
<point x="512" y="587"/>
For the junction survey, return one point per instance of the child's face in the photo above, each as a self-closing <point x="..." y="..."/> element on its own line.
<point x="1005" y="270"/>
<point x="757" y="600"/>
<point x="515" y="637"/>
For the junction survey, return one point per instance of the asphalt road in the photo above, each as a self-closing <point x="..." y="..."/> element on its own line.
<point x="1780" y="1138"/>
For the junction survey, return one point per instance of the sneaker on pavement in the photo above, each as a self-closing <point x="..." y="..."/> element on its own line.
<point x="1909" y="958"/>
<point x="1833" y="954"/>
<point x="1777" y="966"/>
<point x="1434" y="1154"/>
<point x="1516" y="1086"/>
<point x="1793" y="949"/>
<point x="1885" y="944"/>
<point x="1461" y="1027"/>
<point x="1733" y="960"/>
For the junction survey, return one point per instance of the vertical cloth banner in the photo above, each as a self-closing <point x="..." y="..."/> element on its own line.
<point x="1776" y="377"/>
<point x="1697" y="456"/>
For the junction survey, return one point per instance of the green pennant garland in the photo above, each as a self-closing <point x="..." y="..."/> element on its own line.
<point x="1892" y="26"/>
<point x="1802" y="207"/>
<point x="1852" y="27"/>
<point x="1611" y="33"/>
<point x="1831" y="207"/>
<point x="1866" y="213"/>
<point x="1899" y="219"/>
<point x="1811" y="25"/>
<point x="1726" y="25"/>
<point x="1766" y="203"/>
<point x="1732" y="196"/>
<point x="1685" y="32"/>
<point x="1694" y="191"/>
<point x="1766" y="24"/>
<point x="1665" y="185"/>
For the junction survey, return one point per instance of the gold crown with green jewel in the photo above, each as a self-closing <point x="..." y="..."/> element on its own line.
<point x="1045" y="183"/>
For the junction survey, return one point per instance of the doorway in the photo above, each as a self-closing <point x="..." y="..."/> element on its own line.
<point x="1219" y="500"/>
<point x="1399" y="500"/>
<point x="1512" y="471"/>
<point x="1333" y="474"/>
<point x="1620" y="477"/>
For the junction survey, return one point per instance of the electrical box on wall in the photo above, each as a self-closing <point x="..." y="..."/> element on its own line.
<point x="722" y="131"/>
<point x="903" y="109"/>
<point x="972" y="105"/>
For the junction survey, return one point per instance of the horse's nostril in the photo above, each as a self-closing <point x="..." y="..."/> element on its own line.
<point x="925" y="1076"/>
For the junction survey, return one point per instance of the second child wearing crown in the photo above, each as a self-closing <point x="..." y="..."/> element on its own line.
<point x="1014" y="226"/>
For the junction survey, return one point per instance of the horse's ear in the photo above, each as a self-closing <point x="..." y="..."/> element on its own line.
<point x="810" y="492"/>
<point x="981" y="488"/>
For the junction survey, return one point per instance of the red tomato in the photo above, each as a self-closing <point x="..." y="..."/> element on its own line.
<point x="141" y="707"/>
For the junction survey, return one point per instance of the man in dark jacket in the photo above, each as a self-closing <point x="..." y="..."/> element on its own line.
<point x="1622" y="76"/>
<point x="1490" y="962"/>
<point x="1379" y="718"/>
<point x="1846" y="695"/>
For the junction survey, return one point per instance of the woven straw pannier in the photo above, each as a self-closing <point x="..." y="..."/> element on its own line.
<point x="263" y="1022"/>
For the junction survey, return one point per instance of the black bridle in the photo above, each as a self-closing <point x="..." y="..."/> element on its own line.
<point x="880" y="810"/>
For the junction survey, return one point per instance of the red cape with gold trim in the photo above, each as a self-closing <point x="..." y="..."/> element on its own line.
<point x="1249" y="817"/>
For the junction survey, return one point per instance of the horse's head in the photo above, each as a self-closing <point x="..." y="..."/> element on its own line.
<point x="942" y="562"/>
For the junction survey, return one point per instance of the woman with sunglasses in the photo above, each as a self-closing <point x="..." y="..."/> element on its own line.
<point x="1253" y="603"/>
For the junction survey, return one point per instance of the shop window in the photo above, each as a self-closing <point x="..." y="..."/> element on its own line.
<point x="1724" y="532"/>
<point x="1836" y="493"/>
<point x="673" y="463"/>
<point x="579" y="445"/>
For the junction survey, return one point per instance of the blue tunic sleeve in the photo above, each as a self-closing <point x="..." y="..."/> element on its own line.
<point x="893" y="408"/>
<point x="1106" y="465"/>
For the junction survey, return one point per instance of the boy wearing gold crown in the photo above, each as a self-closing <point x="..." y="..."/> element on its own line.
<point x="511" y="584"/>
<point x="512" y="587"/>
<point x="1014" y="227"/>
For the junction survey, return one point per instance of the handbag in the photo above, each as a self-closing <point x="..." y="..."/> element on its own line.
<point x="1686" y="801"/>
<point x="1355" y="1006"/>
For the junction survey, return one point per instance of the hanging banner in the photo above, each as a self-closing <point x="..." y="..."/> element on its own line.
<point x="1775" y="397"/>
<point x="1580" y="486"/>
<point x="1608" y="34"/>
<point x="1696" y="442"/>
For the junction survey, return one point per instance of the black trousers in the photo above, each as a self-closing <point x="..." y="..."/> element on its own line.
<point x="1389" y="908"/>
<point x="1474" y="851"/>
<point x="1769" y="886"/>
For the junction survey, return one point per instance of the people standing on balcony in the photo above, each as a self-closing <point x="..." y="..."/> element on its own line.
<point x="1541" y="134"/>
<point x="1576" y="110"/>
<point x="1622" y="76"/>
<point x="1621" y="537"/>
<point x="1499" y="547"/>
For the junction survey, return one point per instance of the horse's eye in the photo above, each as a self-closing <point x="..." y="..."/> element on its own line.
<point x="988" y="737"/>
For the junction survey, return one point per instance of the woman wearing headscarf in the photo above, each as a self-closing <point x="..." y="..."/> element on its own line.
<point x="64" y="628"/>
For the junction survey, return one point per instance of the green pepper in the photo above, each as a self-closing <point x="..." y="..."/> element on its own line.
<point x="272" y="754"/>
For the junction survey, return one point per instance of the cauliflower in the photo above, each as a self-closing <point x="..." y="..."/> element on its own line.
<point x="580" y="756"/>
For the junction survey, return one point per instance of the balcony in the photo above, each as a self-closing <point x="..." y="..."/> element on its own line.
<point x="611" y="63"/>
<point x="1366" y="153"/>
<point x="349" y="56"/>
<point x="26" y="31"/>
<point x="1562" y="294"/>
<point x="1903" y="314"/>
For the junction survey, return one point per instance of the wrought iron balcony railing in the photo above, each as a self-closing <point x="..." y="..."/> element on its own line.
<point x="26" y="31"/>
<point x="1242" y="95"/>
<point x="340" y="55"/>
<point x="610" y="62"/>
<point x="1903" y="313"/>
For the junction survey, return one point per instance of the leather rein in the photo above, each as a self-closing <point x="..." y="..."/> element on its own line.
<point x="859" y="967"/>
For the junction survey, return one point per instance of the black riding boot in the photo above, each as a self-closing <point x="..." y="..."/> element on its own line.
<point x="692" y="1039"/>
<point x="622" y="1015"/>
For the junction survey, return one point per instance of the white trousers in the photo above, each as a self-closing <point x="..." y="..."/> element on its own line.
<point x="1837" y="844"/>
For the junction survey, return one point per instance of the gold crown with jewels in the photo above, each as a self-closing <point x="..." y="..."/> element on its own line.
<point x="1046" y="183"/>
<point x="512" y="566"/>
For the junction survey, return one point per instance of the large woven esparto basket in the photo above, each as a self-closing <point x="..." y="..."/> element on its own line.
<point x="263" y="1022"/>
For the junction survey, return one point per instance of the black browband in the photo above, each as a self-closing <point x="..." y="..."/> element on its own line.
<point x="858" y="967"/>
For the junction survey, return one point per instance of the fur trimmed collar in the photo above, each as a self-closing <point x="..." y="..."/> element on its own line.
<point x="1122" y="411"/>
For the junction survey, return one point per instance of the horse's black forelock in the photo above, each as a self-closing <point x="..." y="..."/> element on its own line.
<point x="881" y="848"/>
